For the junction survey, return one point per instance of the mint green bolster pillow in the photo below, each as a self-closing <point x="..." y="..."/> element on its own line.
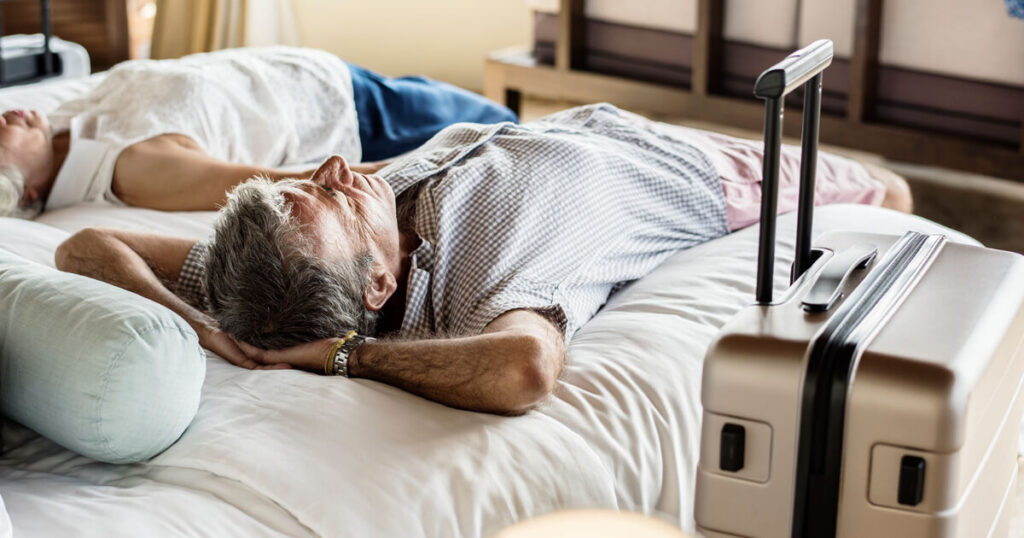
<point x="99" y="370"/>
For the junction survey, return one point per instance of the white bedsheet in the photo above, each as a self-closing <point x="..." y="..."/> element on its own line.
<point x="293" y="453"/>
<point x="290" y="453"/>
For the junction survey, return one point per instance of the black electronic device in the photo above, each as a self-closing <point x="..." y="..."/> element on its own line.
<point x="24" y="65"/>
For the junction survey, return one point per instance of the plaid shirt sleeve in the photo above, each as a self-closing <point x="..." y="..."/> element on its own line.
<point x="190" y="286"/>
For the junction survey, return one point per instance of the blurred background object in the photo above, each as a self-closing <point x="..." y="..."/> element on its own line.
<point x="141" y="14"/>
<point x="1016" y="8"/>
<point x="956" y="68"/>
<point x="23" y="60"/>
<point x="442" y="39"/>
<point x="100" y="26"/>
<point x="936" y="87"/>
<point x="189" y="26"/>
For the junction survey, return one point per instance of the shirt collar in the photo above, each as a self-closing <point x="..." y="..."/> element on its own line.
<point x="418" y="318"/>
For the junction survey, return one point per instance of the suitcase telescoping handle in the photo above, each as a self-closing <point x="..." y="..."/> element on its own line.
<point x="803" y="67"/>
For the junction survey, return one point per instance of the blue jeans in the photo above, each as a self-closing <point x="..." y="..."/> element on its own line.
<point x="400" y="114"/>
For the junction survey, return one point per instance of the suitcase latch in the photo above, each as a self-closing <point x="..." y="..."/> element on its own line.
<point x="911" y="485"/>
<point x="732" y="447"/>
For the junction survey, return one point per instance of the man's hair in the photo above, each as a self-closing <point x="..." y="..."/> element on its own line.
<point x="12" y="186"/>
<point x="265" y="285"/>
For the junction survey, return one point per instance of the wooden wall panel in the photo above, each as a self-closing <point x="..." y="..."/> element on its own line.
<point x="569" y="47"/>
<point x="864" y="63"/>
<point x="707" y="46"/>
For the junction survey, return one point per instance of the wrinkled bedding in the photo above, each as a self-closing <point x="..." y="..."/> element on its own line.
<point x="274" y="453"/>
<point x="287" y="452"/>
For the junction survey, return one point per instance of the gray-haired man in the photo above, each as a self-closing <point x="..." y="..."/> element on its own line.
<point x="478" y="256"/>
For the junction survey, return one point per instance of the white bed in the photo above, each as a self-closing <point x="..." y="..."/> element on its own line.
<point x="294" y="453"/>
<point x="289" y="453"/>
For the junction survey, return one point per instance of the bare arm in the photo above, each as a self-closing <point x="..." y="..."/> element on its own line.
<point x="368" y="168"/>
<point x="172" y="173"/>
<point x="132" y="260"/>
<point x="507" y="369"/>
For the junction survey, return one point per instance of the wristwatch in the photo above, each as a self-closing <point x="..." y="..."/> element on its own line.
<point x="345" y="350"/>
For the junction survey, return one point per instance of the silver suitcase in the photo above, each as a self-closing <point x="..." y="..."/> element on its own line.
<point x="881" y="395"/>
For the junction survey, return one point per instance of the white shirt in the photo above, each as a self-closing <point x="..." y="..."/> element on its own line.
<point x="265" y="107"/>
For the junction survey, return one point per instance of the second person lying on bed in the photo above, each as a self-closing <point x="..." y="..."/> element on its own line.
<point x="478" y="255"/>
<point x="179" y="134"/>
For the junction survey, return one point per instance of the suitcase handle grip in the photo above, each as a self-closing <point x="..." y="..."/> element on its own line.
<point x="795" y="70"/>
<point x="827" y="290"/>
<point x="803" y="67"/>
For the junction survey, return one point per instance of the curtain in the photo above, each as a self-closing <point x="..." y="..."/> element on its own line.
<point x="188" y="26"/>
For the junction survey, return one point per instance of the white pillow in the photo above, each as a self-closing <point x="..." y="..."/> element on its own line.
<point x="6" y="530"/>
<point x="99" y="370"/>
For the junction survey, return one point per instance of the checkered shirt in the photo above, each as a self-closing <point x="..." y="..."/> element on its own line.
<point x="551" y="216"/>
<point x="191" y="283"/>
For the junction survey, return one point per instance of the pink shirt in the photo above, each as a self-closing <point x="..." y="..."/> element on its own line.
<point x="739" y="164"/>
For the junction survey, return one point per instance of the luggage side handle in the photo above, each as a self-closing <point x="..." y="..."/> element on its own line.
<point x="826" y="290"/>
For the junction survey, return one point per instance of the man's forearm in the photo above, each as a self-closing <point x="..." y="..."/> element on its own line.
<point x="100" y="255"/>
<point x="369" y="167"/>
<point x="508" y="369"/>
<point x="172" y="173"/>
<point x="505" y="373"/>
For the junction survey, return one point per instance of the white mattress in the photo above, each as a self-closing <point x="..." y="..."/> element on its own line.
<point x="294" y="453"/>
<point x="46" y="96"/>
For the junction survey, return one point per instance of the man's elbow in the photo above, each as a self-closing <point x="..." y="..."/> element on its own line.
<point x="534" y="374"/>
<point x="69" y="252"/>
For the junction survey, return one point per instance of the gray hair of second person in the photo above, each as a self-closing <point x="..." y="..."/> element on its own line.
<point x="12" y="187"/>
<point x="265" y="285"/>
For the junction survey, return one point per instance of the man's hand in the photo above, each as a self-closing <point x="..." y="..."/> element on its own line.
<point x="309" y="356"/>
<point x="132" y="260"/>
<point x="508" y="369"/>
<point x="336" y="172"/>
<point x="230" y="349"/>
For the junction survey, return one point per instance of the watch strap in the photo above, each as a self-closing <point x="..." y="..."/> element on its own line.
<point x="343" y="352"/>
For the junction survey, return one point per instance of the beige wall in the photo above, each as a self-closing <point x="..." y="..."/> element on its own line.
<point x="443" y="39"/>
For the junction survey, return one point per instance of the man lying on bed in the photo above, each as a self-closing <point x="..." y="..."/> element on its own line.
<point x="475" y="257"/>
<point x="179" y="134"/>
